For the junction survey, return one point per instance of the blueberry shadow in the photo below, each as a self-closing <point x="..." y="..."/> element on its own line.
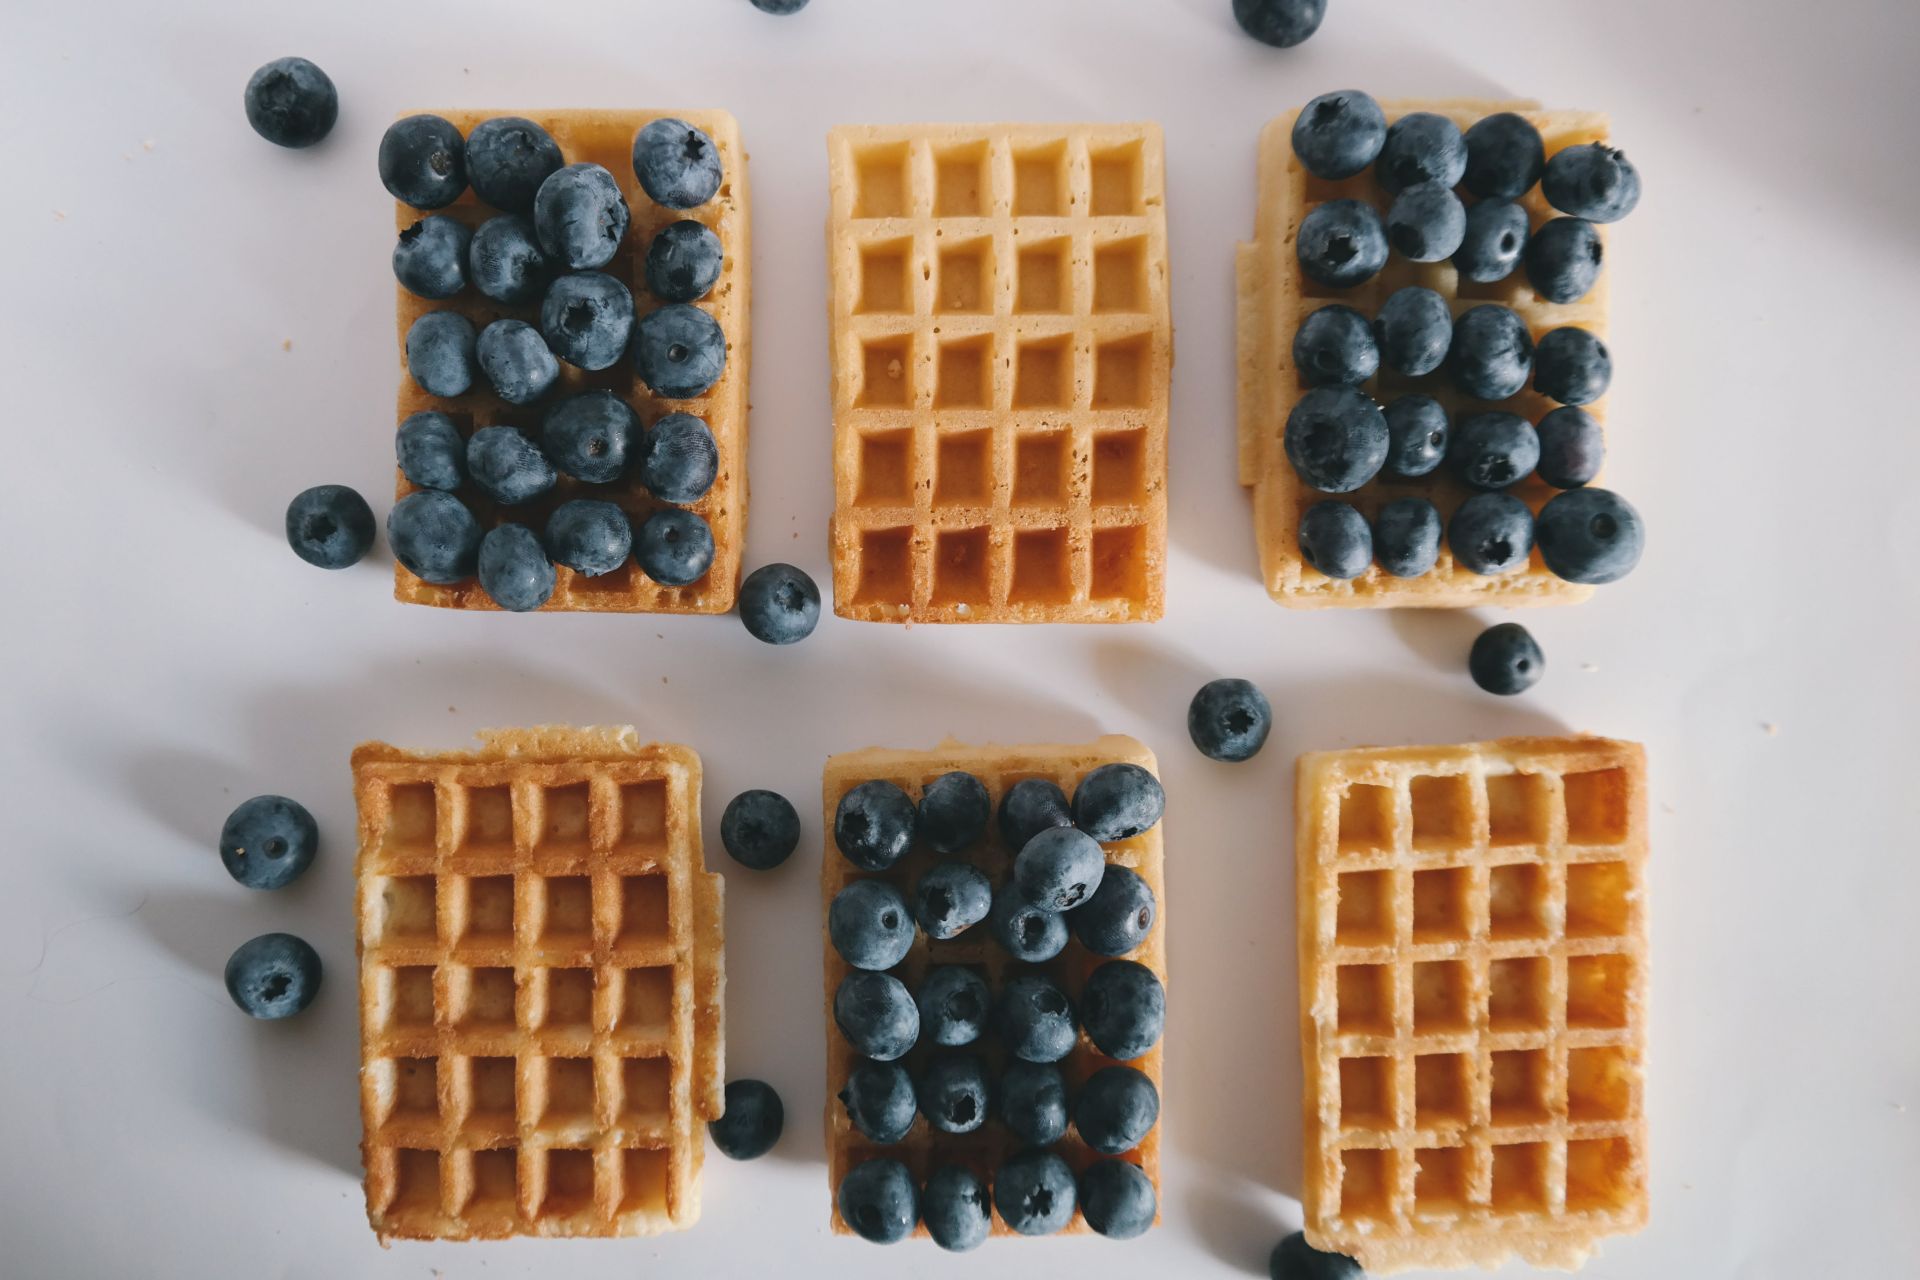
<point x="1439" y="637"/>
<point x="1235" y="1223"/>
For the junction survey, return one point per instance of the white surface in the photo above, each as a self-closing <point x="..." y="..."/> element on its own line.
<point x="165" y="655"/>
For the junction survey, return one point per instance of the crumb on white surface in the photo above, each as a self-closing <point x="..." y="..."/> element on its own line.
<point x="1769" y="728"/>
<point x="286" y="344"/>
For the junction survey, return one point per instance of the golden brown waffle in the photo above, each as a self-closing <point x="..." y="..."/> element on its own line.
<point x="983" y="1150"/>
<point x="606" y="138"/>
<point x="1002" y="350"/>
<point x="541" y="983"/>
<point x="1473" y="977"/>
<point x="1275" y="296"/>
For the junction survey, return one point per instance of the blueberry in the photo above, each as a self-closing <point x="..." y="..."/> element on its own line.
<point x="1124" y="1009"/>
<point x="876" y="1015"/>
<point x="589" y="536"/>
<point x="953" y="1003"/>
<point x="873" y="825"/>
<point x="1494" y="449"/>
<point x="1572" y="366"/>
<point x="1563" y="259"/>
<point x="879" y="1100"/>
<point x="508" y="157"/>
<point x="1294" y="1259"/>
<point x="506" y="261"/>
<point x="1280" y="23"/>
<point x="1492" y="354"/>
<point x="434" y="537"/>
<point x="870" y="924"/>
<point x="751" y="1122"/>
<point x="1421" y="147"/>
<point x="423" y="162"/>
<point x="514" y="569"/>
<point x="674" y="547"/>
<point x="1506" y="659"/>
<point x="1336" y="439"/>
<point x="580" y="216"/>
<point x="590" y="436"/>
<point x="951" y="898"/>
<point x="1034" y="1193"/>
<point x="1342" y="243"/>
<point x="878" y="1200"/>
<point x="1119" y="915"/>
<point x="330" y="526"/>
<point x="506" y="466"/>
<point x="430" y="451"/>
<point x="679" y="459"/>
<point x="430" y="258"/>
<point x="275" y="975"/>
<point x="1335" y="539"/>
<point x="677" y="164"/>
<point x="440" y="353"/>
<point x="1117" y="1199"/>
<point x="953" y="1093"/>
<point x="680" y="351"/>
<point x="1118" y="802"/>
<point x="1406" y="537"/>
<point x="1059" y="869"/>
<point x="1026" y="932"/>
<point x="1335" y="347"/>
<point x="268" y="841"/>
<point x="955" y="1203"/>
<point x="1427" y="222"/>
<point x="1495" y="239"/>
<point x="780" y="8"/>
<point x="954" y="809"/>
<point x="1590" y="535"/>
<point x="1504" y="157"/>
<point x="1035" y="1019"/>
<point x="1593" y="181"/>
<point x="1029" y="807"/>
<point x="683" y="262"/>
<point x="1033" y="1102"/>
<point x="291" y="103"/>
<point x="1571" y="448"/>
<point x="760" y="829"/>
<point x="1491" y="533"/>
<point x="1117" y="1107"/>
<point x="1417" y="436"/>
<point x="779" y="604"/>
<point x="1414" y="329"/>
<point x="1339" y="134"/>
<point x="516" y="361"/>
<point x="1228" y="720"/>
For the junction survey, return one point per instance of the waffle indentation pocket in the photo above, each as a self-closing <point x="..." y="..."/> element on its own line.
<point x="964" y="280"/>
<point x="1364" y="993"/>
<point x="886" y="470"/>
<point x="1366" y="1093"/>
<point x="962" y="568"/>
<point x="880" y="181"/>
<point x="1043" y="278"/>
<point x="963" y="474"/>
<point x="885" y="287"/>
<point x="1042" y="567"/>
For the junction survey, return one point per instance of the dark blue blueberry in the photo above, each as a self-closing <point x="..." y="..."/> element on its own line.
<point x="760" y="829"/>
<point x="434" y="537"/>
<point x="590" y="436"/>
<point x="1414" y="329"/>
<point x="330" y="526"/>
<point x="1572" y="366"/>
<point x="954" y="809"/>
<point x="677" y="164"/>
<point x="1033" y="1102"/>
<point x="514" y="569"/>
<point x="1491" y="533"/>
<point x="679" y="459"/>
<point x="440" y="353"/>
<point x="1280" y="23"/>
<point x="507" y="466"/>
<point x="1124" y="1009"/>
<point x="508" y="157"/>
<point x="1336" y="439"/>
<point x="873" y="825"/>
<point x="1334" y="347"/>
<point x="1035" y="1019"/>
<point x="1339" y="134"/>
<point x="1026" y="932"/>
<point x="1229" y="720"/>
<point x="1120" y="914"/>
<point x="1117" y="1199"/>
<point x="879" y="1100"/>
<point x="1426" y="223"/>
<point x="1406" y="537"/>
<point x="1294" y="1259"/>
<point x="268" y="841"/>
<point x="674" y="547"/>
<point x="506" y="261"/>
<point x="517" y="362"/>
<point x="955" y="1203"/>
<point x="291" y="103"/>
<point x="683" y="262"/>
<point x="430" y="258"/>
<point x="876" y="1014"/>
<point x="680" y="351"/>
<point x="589" y="536"/>
<point x="752" y="1121"/>
<point x="1029" y="807"/>
<point x="1417" y="436"/>
<point x="1593" y="181"/>
<point x="1116" y="1108"/>
<point x="870" y="924"/>
<point x="1590" y="535"/>
<point x="779" y="604"/>
<point x="423" y="162"/>
<point x="275" y="975"/>
<point x="780" y="8"/>
<point x="1118" y="802"/>
<point x="580" y="216"/>
<point x="1495" y="239"/>
<point x="1335" y="539"/>
<point x="952" y="898"/>
<point x="878" y="1200"/>
<point x="1059" y="869"/>
<point x="1494" y="449"/>
<point x="953" y="1093"/>
<point x="1571" y="448"/>
<point x="1506" y="659"/>
<point x="1505" y="157"/>
<point x="1563" y="259"/>
<point x="1034" y="1193"/>
<point x="431" y="453"/>
<point x="1342" y="243"/>
<point x="954" y="1004"/>
<point x="1421" y="147"/>
<point x="1492" y="353"/>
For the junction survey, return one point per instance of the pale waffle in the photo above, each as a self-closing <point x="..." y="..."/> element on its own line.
<point x="1473" y="1020"/>
<point x="606" y="138"/>
<point x="1275" y="296"/>
<point x="999" y="767"/>
<point x="541" y="986"/>
<point x="1002" y="351"/>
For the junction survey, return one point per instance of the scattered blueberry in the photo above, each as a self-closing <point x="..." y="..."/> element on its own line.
<point x="1334" y="346"/>
<point x="876" y="1014"/>
<point x="879" y="1100"/>
<point x="1059" y="869"/>
<point x="1280" y="23"/>
<point x="1421" y="147"/>
<point x="674" y="547"/>
<point x="677" y="164"/>
<point x="873" y="825"/>
<point x="268" y="841"/>
<point x="1572" y="366"/>
<point x="440" y="353"/>
<point x="1118" y="802"/>
<point x="1335" y="539"/>
<point x="1294" y="1259"/>
<point x="1117" y="1199"/>
<point x="1427" y="222"/>
<point x="434" y="537"/>
<point x="780" y="8"/>
<point x="683" y="262"/>
<point x="1491" y="533"/>
<point x="1590" y="535"/>
<point x="1492" y="353"/>
<point x="1417" y="436"/>
<point x="1124" y="1009"/>
<point x="953" y="1093"/>
<point x="506" y="261"/>
<point x="430" y="451"/>
<point x="330" y="526"/>
<point x="590" y="436"/>
<point x="1034" y="1193"/>
<point x="870" y="924"/>
<point x="679" y="459"/>
<point x="1228" y="720"/>
<point x="430" y="258"/>
<point x="506" y="466"/>
<point x="1336" y="438"/>
<point x="1342" y="243"/>
<point x="580" y="216"/>
<point x="1506" y="659"/>
<point x="517" y="362"/>
<point x="1563" y="259"/>
<point x="423" y="162"/>
<point x="1593" y="181"/>
<point x="1119" y="915"/>
<point x="275" y="975"/>
<point x="1029" y="807"/>
<point x="514" y="569"/>
<point x="1339" y="134"/>
<point x="1494" y="449"/>
<point x="1504" y="157"/>
<point x="952" y="898"/>
<point x="1116" y="1108"/>
<point x="1571" y="448"/>
<point x="1033" y="1102"/>
<point x="1035" y="1019"/>
<point x="1414" y="328"/>
<point x="291" y="103"/>
<point x="680" y="351"/>
<point x="955" y="1203"/>
<point x="953" y="1004"/>
<point x="508" y="157"/>
<point x="1406" y="537"/>
<point x="751" y="1122"/>
<point x="1495" y="239"/>
<point x="779" y="604"/>
<point x="589" y="536"/>
<point x="760" y="829"/>
<point x="878" y="1200"/>
<point x="1027" y="932"/>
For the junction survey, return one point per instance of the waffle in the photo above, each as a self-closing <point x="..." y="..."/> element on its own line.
<point x="541" y="982"/>
<point x="983" y="1150"/>
<point x="1473" y="975"/>
<point x="1275" y="296"/>
<point x="1002" y="350"/>
<point x="606" y="138"/>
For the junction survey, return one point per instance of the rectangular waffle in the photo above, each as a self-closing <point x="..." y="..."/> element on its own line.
<point x="1473" y="978"/>
<point x="1275" y="296"/>
<point x="606" y="138"/>
<point x="999" y="768"/>
<point x="1002" y="350"/>
<point x="541" y="984"/>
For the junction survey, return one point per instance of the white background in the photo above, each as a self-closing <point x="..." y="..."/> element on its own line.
<point x="166" y="656"/>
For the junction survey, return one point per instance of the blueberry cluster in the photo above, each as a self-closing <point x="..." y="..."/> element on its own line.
<point x="268" y="843"/>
